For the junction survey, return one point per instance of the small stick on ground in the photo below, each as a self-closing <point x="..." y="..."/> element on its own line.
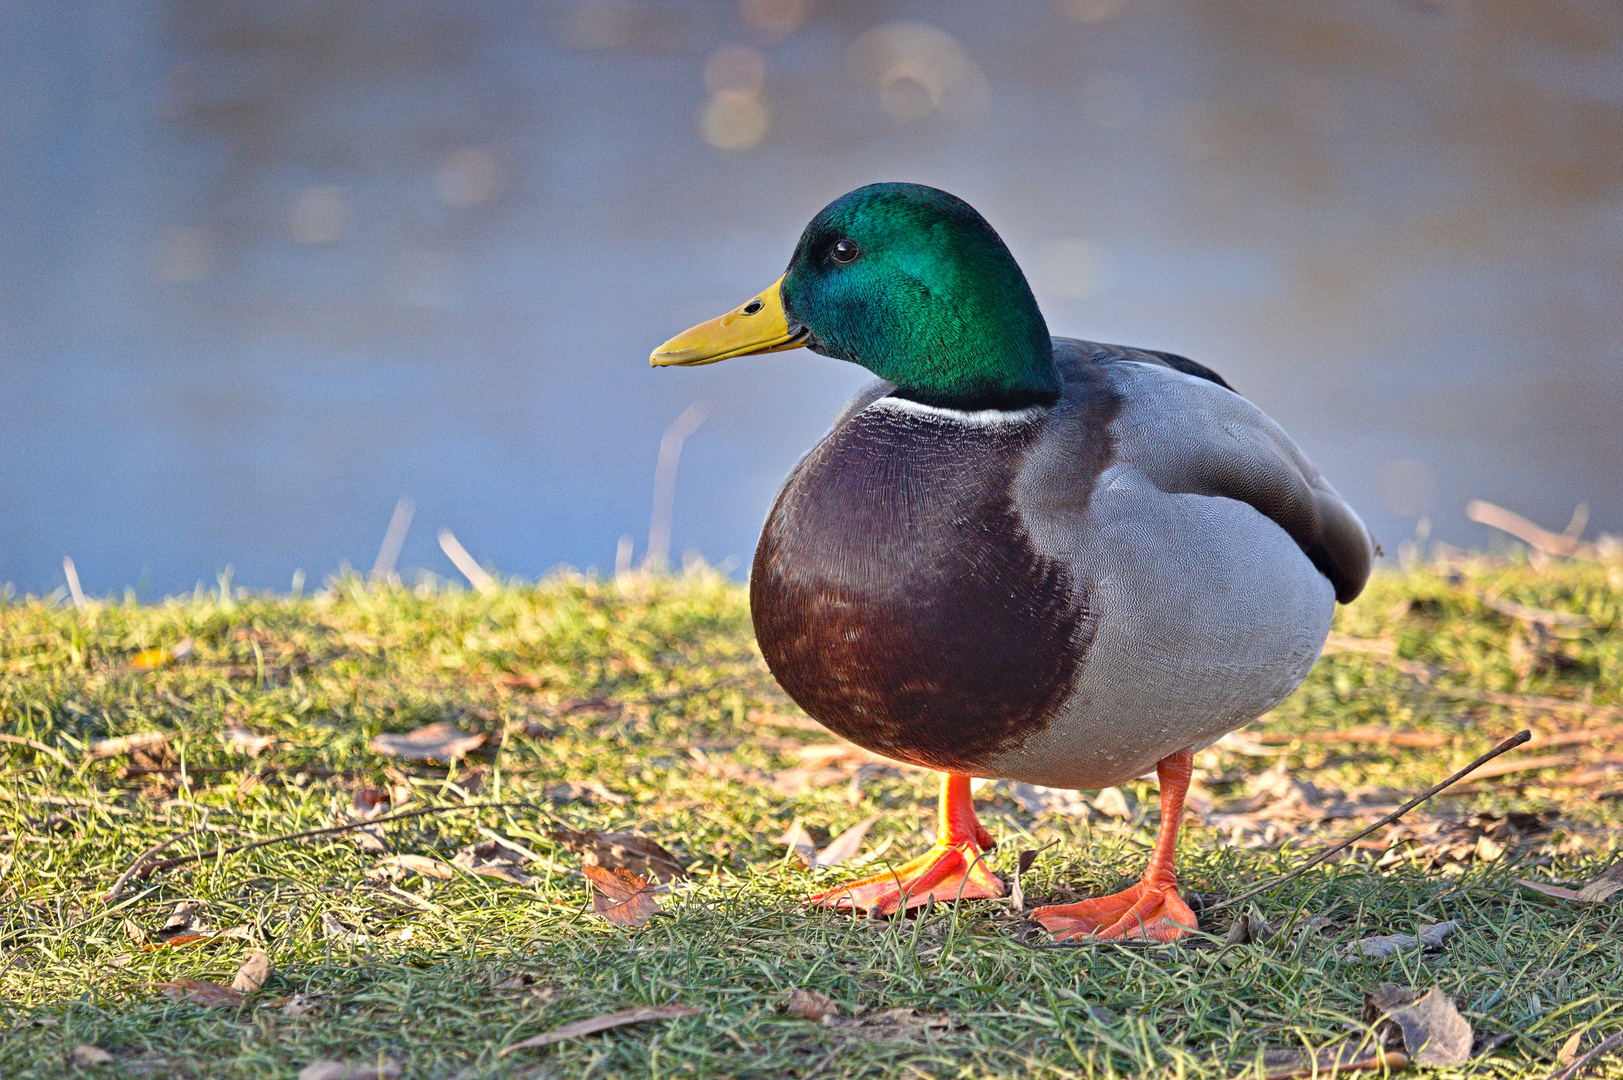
<point x="123" y="879"/>
<point x="20" y="741"/>
<point x="1509" y="744"/>
<point x="143" y="872"/>
<point x="1611" y="1044"/>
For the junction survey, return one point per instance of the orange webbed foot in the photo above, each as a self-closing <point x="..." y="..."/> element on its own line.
<point x="953" y="869"/>
<point x="945" y="873"/>
<point x="1140" y="913"/>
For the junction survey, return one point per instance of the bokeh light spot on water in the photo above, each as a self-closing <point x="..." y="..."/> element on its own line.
<point x="1089" y="11"/>
<point x="734" y="121"/>
<point x="919" y="69"/>
<point x="318" y="215"/>
<point x="775" y="19"/>
<point x="470" y="177"/>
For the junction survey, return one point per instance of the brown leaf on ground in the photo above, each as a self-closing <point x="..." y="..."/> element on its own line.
<point x="1378" y="947"/>
<point x="839" y="849"/>
<point x="810" y="1005"/>
<point x="251" y="975"/>
<point x="621" y="851"/>
<point x="421" y="865"/>
<point x="896" y="1025"/>
<point x="382" y="1069"/>
<point x="367" y="803"/>
<point x="87" y="1056"/>
<point x="1112" y="802"/>
<point x="439" y="741"/>
<point x="155" y="744"/>
<point x="237" y="737"/>
<point x="1250" y="929"/>
<point x="847" y="844"/>
<point x="300" y="1005"/>
<point x="583" y="791"/>
<point x="1022" y="864"/>
<point x="1605" y="889"/>
<point x="1427" y="1027"/>
<point x="1612" y="1045"/>
<point x="334" y="930"/>
<point x="198" y="992"/>
<point x="492" y="858"/>
<point x="183" y="920"/>
<point x="1347" y="1055"/>
<point x="621" y="897"/>
<point x="800" y="844"/>
<point x="1038" y="800"/>
<point x="602" y="1023"/>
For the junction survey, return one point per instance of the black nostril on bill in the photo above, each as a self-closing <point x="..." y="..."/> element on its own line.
<point x="753" y="306"/>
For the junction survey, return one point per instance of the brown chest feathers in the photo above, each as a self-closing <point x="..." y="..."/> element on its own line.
<point x="897" y="597"/>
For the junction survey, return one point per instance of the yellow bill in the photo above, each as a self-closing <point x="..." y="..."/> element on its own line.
<point x="759" y="326"/>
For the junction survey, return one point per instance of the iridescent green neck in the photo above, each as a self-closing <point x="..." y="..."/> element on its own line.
<point x="925" y="294"/>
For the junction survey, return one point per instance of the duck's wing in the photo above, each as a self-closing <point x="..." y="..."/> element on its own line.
<point x="1180" y="425"/>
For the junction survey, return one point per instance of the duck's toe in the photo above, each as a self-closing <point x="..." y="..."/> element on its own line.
<point x="945" y="873"/>
<point x="1141" y="913"/>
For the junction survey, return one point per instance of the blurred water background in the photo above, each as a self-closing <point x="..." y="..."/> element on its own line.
<point x="267" y="268"/>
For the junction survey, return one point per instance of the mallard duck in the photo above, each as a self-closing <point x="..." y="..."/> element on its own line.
<point x="1020" y="556"/>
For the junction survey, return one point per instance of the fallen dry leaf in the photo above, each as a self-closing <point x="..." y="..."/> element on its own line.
<point x="810" y="1005"/>
<point x="845" y="845"/>
<point x="155" y="742"/>
<point x="602" y="1023"/>
<point x="621" y="897"/>
<point x="251" y="976"/>
<point x="334" y="930"/>
<point x="1427" y="1027"/>
<point x="1250" y="929"/>
<point x="87" y="1056"/>
<point x="895" y="1025"/>
<point x="237" y="737"/>
<point x="1038" y="800"/>
<point x="1569" y="1049"/>
<point x="1605" y="889"/>
<point x="300" y="1005"/>
<point x="439" y="741"/>
<point x="799" y="843"/>
<point x="1112" y="802"/>
<point x="584" y="791"/>
<point x="839" y="849"/>
<point x="492" y="858"/>
<point x="621" y="851"/>
<point x="1612" y="1045"/>
<point x="1347" y="1055"/>
<point x="381" y="1069"/>
<point x="1017" y="890"/>
<point x="421" y="865"/>
<point x="1430" y="937"/>
<point x="198" y="992"/>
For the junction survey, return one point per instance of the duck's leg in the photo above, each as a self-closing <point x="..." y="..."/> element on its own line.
<point x="951" y="870"/>
<point x="1152" y="908"/>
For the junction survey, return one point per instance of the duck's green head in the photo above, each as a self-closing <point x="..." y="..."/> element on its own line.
<point x="911" y="283"/>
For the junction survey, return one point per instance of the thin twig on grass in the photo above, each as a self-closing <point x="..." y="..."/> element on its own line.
<point x="123" y="879"/>
<point x="1509" y="744"/>
<point x="1613" y="1043"/>
<point x="144" y="872"/>
<point x="20" y="741"/>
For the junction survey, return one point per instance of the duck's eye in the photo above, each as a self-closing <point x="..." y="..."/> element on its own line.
<point x="845" y="251"/>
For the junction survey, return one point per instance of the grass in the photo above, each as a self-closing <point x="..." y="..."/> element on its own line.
<point x="652" y="688"/>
